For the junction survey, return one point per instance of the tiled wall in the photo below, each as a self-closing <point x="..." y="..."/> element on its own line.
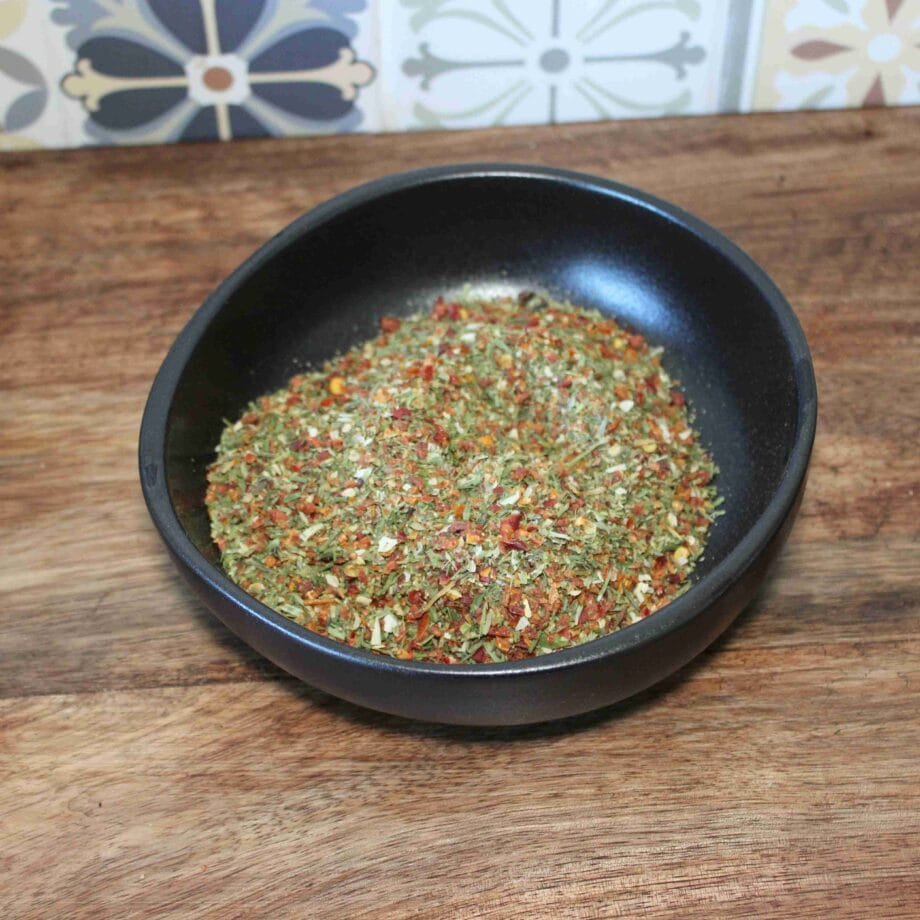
<point x="78" y="72"/>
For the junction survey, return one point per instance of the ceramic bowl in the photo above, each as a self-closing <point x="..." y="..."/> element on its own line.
<point x="393" y="246"/>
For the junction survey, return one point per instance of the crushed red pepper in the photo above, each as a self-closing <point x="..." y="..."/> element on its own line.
<point x="491" y="481"/>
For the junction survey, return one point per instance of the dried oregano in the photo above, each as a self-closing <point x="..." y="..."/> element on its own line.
<point x="490" y="481"/>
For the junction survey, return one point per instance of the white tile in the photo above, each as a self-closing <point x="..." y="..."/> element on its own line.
<point x="466" y="63"/>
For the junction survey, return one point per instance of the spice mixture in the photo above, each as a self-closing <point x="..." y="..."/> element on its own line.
<point x="490" y="481"/>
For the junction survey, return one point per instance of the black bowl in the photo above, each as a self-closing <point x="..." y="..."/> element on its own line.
<point x="393" y="245"/>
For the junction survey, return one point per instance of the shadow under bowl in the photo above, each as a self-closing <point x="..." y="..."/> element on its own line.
<point x="393" y="246"/>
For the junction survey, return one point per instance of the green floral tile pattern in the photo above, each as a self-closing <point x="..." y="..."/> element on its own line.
<point x="460" y="63"/>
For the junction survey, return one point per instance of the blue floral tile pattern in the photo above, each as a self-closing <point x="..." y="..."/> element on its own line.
<point x="153" y="71"/>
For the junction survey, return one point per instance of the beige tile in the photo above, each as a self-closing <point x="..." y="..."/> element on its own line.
<point x="839" y="53"/>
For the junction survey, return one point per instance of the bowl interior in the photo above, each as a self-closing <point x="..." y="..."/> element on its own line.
<point x="321" y="286"/>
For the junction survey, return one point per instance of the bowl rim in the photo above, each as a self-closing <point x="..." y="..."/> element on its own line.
<point x="680" y="612"/>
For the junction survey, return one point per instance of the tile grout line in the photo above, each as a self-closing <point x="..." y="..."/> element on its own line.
<point x="738" y="50"/>
<point x="69" y="135"/>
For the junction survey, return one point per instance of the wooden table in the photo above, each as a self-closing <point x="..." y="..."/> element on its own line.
<point x="151" y="764"/>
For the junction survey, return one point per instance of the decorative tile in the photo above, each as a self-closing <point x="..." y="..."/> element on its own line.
<point x="82" y="72"/>
<point x="30" y="111"/>
<point x="839" y="53"/>
<point x="460" y="63"/>
<point x="23" y="89"/>
<point x="154" y="71"/>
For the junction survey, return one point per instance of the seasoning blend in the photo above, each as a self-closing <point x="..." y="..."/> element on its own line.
<point x="488" y="482"/>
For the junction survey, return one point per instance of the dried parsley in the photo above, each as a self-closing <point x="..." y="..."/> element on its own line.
<point x="490" y="481"/>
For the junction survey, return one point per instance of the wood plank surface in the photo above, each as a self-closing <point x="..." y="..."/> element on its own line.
<point x="152" y="765"/>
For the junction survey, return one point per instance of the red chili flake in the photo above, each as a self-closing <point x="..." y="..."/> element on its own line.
<point x="510" y="524"/>
<point x="390" y="323"/>
<point x="446" y="541"/>
<point x="443" y="310"/>
<point x="677" y="398"/>
<point x="589" y="612"/>
<point x="401" y="412"/>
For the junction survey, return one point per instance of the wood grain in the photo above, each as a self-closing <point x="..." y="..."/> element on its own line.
<point x="150" y="764"/>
